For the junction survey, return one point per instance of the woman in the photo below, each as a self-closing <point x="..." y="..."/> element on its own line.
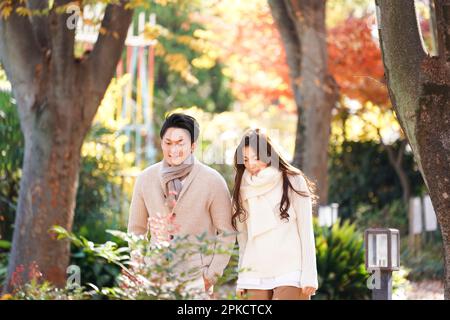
<point x="272" y="213"/>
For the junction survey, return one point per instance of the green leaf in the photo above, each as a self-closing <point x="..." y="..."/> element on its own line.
<point x="4" y="244"/>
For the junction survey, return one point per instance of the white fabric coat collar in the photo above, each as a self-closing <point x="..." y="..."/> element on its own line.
<point x="262" y="211"/>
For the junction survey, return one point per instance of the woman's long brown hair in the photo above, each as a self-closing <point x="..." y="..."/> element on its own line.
<point x="267" y="153"/>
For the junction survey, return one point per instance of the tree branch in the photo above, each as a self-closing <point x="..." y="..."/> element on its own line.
<point x="102" y="61"/>
<point x="19" y="49"/>
<point x="62" y="41"/>
<point x="40" y="23"/>
<point x="396" y="163"/>
<point x="116" y="22"/>
<point x="401" y="152"/>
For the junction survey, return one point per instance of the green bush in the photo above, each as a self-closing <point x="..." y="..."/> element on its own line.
<point x="400" y="284"/>
<point x="428" y="261"/>
<point x="392" y="215"/>
<point x="150" y="271"/>
<point x="11" y="157"/>
<point x="340" y="262"/>
<point x="147" y="271"/>
<point x="4" y="255"/>
<point x="360" y="173"/>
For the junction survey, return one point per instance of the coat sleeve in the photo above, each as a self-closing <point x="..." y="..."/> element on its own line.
<point x="220" y="211"/>
<point x="303" y="209"/>
<point x="138" y="218"/>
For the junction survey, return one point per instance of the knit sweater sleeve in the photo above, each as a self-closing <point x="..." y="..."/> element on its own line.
<point x="220" y="211"/>
<point x="242" y="237"/>
<point x="303" y="208"/>
<point x="138" y="219"/>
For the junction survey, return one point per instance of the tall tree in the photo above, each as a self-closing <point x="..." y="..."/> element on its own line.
<point x="57" y="97"/>
<point x="302" y="27"/>
<point x="419" y="88"/>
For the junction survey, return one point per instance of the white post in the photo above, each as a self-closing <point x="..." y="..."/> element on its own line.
<point x="430" y="215"/>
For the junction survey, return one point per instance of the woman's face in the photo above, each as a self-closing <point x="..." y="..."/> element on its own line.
<point x="176" y="146"/>
<point x="251" y="162"/>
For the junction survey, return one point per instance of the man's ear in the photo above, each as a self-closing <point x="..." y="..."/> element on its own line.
<point x="193" y="147"/>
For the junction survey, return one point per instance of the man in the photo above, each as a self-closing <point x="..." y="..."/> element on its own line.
<point x="193" y="194"/>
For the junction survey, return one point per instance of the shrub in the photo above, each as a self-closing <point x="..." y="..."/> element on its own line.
<point x="392" y="215"/>
<point x="39" y="289"/>
<point x="4" y="255"/>
<point x="340" y="262"/>
<point x="428" y="262"/>
<point x="360" y="173"/>
<point x="11" y="157"/>
<point x="153" y="270"/>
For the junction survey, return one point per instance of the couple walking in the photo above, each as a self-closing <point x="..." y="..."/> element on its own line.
<point x="270" y="212"/>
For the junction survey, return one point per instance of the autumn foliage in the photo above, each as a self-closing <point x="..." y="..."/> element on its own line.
<point x="354" y="55"/>
<point x="355" y="60"/>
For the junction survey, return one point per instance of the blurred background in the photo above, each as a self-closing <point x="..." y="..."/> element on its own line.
<point x="224" y="62"/>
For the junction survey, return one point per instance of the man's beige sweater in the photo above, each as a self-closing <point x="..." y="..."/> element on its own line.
<point x="203" y="207"/>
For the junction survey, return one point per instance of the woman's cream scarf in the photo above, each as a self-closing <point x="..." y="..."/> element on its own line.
<point x="263" y="193"/>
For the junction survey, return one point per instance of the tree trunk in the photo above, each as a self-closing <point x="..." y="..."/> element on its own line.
<point x="302" y="27"/>
<point x="47" y="197"/>
<point x="57" y="97"/>
<point x="419" y="88"/>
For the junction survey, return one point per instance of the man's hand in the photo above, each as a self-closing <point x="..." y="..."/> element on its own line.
<point x="136" y="258"/>
<point x="209" y="288"/>
<point x="208" y="284"/>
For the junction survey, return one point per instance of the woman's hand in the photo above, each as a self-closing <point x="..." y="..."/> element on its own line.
<point x="308" y="291"/>
<point x="240" y="293"/>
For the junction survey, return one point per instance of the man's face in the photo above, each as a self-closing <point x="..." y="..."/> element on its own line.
<point x="176" y="145"/>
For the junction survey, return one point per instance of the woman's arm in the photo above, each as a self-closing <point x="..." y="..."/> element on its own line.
<point x="303" y="208"/>
<point x="241" y="239"/>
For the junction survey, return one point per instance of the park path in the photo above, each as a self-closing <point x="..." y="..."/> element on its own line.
<point x="422" y="290"/>
<point x="426" y="290"/>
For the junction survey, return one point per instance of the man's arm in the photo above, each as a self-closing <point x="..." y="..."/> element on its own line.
<point x="138" y="219"/>
<point x="220" y="211"/>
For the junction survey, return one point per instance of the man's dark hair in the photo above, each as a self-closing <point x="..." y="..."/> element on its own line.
<point x="183" y="121"/>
